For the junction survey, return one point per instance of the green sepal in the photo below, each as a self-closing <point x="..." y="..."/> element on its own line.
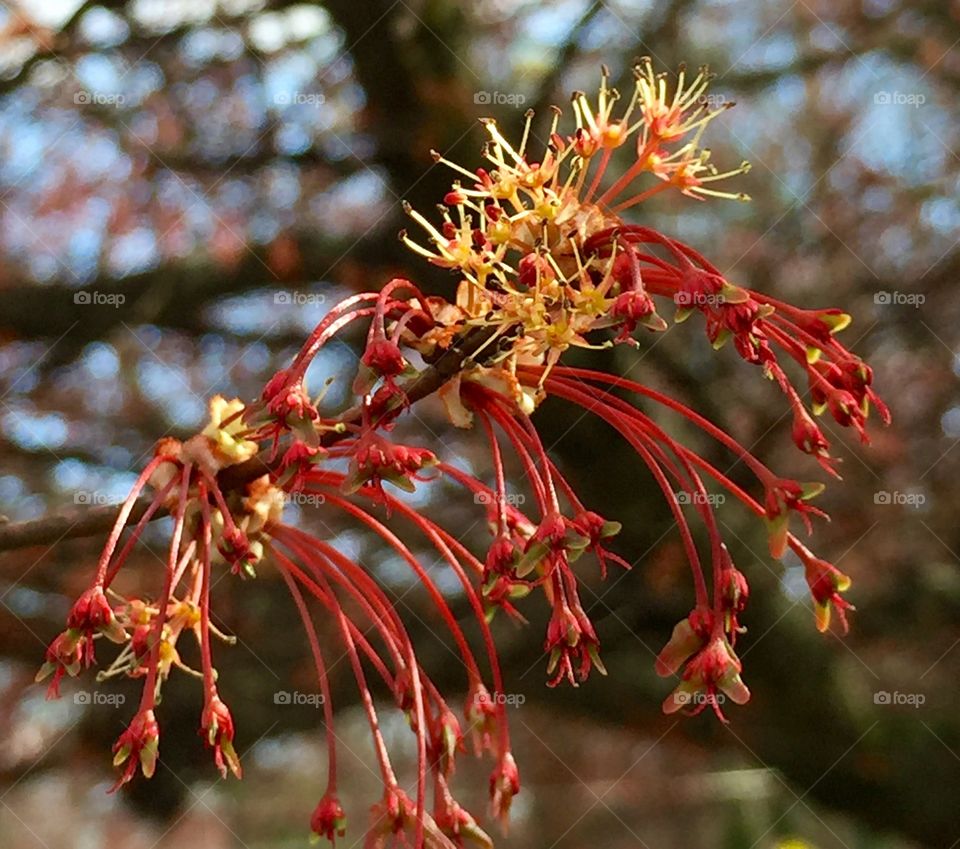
<point x="778" y="529"/>
<point x="732" y="294"/>
<point x="148" y="758"/>
<point x="518" y="591"/>
<point x="654" y="322"/>
<point x="836" y="321"/>
<point x="610" y="529"/>
<point x="594" y="653"/>
<point x="682" y="644"/>
<point x="723" y="337"/>
<point x="532" y="558"/>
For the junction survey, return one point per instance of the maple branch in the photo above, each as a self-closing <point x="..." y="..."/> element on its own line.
<point x="90" y="521"/>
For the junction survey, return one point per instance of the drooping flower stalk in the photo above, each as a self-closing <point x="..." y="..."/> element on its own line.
<point x="545" y="260"/>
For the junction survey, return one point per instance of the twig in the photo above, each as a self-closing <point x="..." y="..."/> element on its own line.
<point x="90" y="521"/>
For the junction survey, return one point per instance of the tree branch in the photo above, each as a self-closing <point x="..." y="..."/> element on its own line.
<point x="90" y="521"/>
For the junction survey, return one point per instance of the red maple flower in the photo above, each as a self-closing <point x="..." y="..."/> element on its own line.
<point x="545" y="261"/>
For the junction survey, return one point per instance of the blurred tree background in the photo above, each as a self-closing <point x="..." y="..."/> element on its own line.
<point x="183" y="185"/>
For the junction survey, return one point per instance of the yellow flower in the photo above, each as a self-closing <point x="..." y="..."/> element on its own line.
<point x="226" y="431"/>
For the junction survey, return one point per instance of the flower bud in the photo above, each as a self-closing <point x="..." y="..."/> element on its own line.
<point x="328" y="820"/>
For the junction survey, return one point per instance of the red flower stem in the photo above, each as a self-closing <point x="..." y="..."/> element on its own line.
<point x="121" y="558"/>
<point x="501" y="487"/>
<point x="440" y="540"/>
<point x="525" y="425"/>
<point x="314" y="589"/>
<point x="692" y="484"/>
<point x="377" y="330"/>
<point x="380" y="747"/>
<point x="316" y="339"/>
<point x="641" y="197"/>
<point x="206" y="654"/>
<point x="759" y="469"/>
<point x="601" y="170"/>
<point x="358" y="584"/>
<point x="575" y="503"/>
<point x="640" y="443"/>
<point x="123" y="515"/>
<point x="543" y="486"/>
<point x="401" y="324"/>
<point x="630" y="174"/>
<point x="185" y="559"/>
<point x="358" y="578"/>
<point x="439" y="601"/>
<point x="150" y="686"/>
<point x="470" y="483"/>
<point x="389" y="777"/>
<point x="789" y="329"/>
<point x="529" y="465"/>
<point x="321" y="676"/>
<point x="687" y="253"/>
<point x="228" y="522"/>
<point x="739" y="493"/>
<point x="634" y="233"/>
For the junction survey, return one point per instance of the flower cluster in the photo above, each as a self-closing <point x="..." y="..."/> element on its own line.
<point x="544" y="260"/>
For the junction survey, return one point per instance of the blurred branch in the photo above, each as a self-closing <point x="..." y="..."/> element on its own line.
<point x="172" y="295"/>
